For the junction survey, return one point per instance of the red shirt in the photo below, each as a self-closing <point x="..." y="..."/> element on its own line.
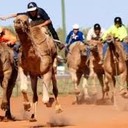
<point x="8" y="36"/>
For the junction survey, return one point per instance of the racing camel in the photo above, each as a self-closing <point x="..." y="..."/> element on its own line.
<point x="115" y="65"/>
<point x="8" y="76"/>
<point x="76" y="62"/>
<point x="96" y="69"/>
<point x="38" y="59"/>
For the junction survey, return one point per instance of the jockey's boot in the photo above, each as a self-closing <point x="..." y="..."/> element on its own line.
<point x="59" y="44"/>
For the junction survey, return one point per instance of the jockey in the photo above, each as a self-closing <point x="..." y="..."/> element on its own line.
<point x="36" y="13"/>
<point x="120" y="33"/>
<point x="74" y="35"/>
<point x="10" y="39"/>
<point x="95" y="33"/>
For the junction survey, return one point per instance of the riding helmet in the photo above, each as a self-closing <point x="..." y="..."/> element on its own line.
<point x="97" y="26"/>
<point x="118" y="20"/>
<point x="32" y="6"/>
<point x="75" y="26"/>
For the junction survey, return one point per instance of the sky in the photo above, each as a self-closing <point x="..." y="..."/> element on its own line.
<point x="83" y="12"/>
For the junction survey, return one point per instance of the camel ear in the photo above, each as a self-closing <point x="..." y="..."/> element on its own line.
<point x="37" y="35"/>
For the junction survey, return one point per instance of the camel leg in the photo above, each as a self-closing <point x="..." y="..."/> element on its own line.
<point x="105" y="88"/>
<point x="93" y="76"/>
<point x="46" y="79"/>
<point x="11" y="84"/>
<point x="4" y="104"/>
<point x="100" y="78"/>
<point x="55" y="92"/>
<point x="55" y="88"/>
<point x="123" y="84"/>
<point x="111" y="81"/>
<point x="35" y="97"/>
<point x="85" y="87"/>
<point x="23" y="88"/>
<point x="100" y="51"/>
<point x="75" y="80"/>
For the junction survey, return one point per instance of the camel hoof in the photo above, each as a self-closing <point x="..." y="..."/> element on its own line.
<point x="81" y="98"/>
<point x="10" y="118"/>
<point x="124" y="94"/>
<point x="74" y="102"/>
<point x="87" y="100"/>
<point x="77" y="92"/>
<point x="106" y="89"/>
<point x="27" y="106"/>
<point x="4" y="106"/>
<point x="58" y="109"/>
<point x="33" y="119"/>
<point x="49" y="104"/>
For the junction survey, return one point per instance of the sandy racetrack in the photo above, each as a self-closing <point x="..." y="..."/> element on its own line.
<point x="73" y="116"/>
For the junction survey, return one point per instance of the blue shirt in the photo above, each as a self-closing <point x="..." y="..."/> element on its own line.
<point x="72" y="37"/>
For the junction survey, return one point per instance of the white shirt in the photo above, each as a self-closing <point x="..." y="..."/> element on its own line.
<point x="91" y="34"/>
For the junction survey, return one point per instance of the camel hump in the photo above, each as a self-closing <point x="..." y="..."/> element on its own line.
<point x="39" y="34"/>
<point x="6" y="53"/>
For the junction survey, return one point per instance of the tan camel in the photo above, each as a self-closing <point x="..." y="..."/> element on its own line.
<point x="38" y="58"/>
<point x="115" y="65"/>
<point x="8" y="76"/>
<point x="77" y="66"/>
<point x="96" y="69"/>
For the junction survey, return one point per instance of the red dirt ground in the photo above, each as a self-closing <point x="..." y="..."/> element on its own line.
<point x="74" y="116"/>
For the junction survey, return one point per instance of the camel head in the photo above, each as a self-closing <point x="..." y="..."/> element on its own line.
<point x="94" y="44"/>
<point x="110" y="38"/>
<point x="21" y="23"/>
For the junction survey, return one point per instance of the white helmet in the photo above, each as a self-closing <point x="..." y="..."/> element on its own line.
<point x="75" y="26"/>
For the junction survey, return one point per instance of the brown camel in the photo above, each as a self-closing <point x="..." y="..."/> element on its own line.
<point x="77" y="66"/>
<point x="115" y="65"/>
<point x="38" y="59"/>
<point x="96" y="69"/>
<point x="8" y="76"/>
